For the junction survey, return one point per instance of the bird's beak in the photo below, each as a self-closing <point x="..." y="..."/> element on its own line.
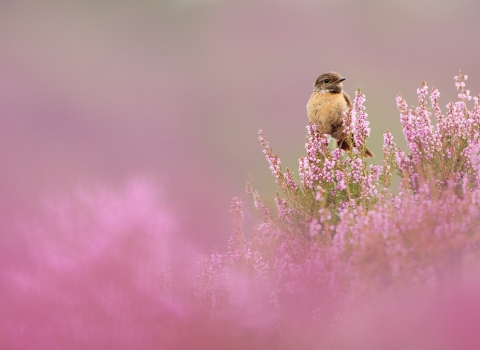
<point x="340" y="80"/>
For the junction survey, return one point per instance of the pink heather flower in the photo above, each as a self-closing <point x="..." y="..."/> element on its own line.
<point x="474" y="115"/>
<point x="271" y="158"/>
<point x="355" y="121"/>
<point x="343" y="206"/>
<point x="439" y="117"/>
<point x="310" y="167"/>
<point x="388" y="144"/>
<point x="457" y="123"/>
<point x="340" y="176"/>
<point x="422" y="140"/>
<point x="257" y="203"/>
<point x="283" y="210"/>
<point x="397" y="201"/>
<point x="370" y="181"/>
<point x="304" y="172"/>
<point x="407" y="119"/>
<point x="349" y="120"/>
<point x="356" y="169"/>
<point x="422" y="93"/>
<point x="471" y="153"/>
<point x="328" y="173"/>
<point x="288" y="176"/>
<point x="460" y="85"/>
<point x="389" y="158"/>
<point x="362" y="131"/>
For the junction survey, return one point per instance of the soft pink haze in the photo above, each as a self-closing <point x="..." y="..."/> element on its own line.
<point x="129" y="130"/>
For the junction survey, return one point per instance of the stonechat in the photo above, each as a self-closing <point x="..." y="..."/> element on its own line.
<point x="326" y="106"/>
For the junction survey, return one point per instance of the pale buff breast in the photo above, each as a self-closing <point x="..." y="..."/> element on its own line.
<point x="326" y="111"/>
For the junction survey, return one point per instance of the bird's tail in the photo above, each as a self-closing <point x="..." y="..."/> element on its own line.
<point x="368" y="153"/>
<point x="346" y="147"/>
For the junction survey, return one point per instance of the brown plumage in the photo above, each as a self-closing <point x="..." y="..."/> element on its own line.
<point x="326" y="106"/>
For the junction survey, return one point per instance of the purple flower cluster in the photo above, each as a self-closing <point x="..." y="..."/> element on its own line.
<point x="360" y="128"/>
<point x="310" y="167"/>
<point x="272" y="159"/>
<point x="422" y="141"/>
<point x="443" y="152"/>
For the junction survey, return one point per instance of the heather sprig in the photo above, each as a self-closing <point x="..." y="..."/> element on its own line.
<point x="389" y="159"/>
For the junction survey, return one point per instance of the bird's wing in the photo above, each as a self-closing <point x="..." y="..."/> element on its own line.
<point x="347" y="98"/>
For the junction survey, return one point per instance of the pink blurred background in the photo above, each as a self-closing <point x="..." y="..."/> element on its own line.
<point x="98" y="92"/>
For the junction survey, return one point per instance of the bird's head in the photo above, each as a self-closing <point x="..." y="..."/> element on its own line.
<point x="329" y="82"/>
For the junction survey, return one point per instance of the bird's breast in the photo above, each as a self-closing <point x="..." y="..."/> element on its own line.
<point x="326" y="111"/>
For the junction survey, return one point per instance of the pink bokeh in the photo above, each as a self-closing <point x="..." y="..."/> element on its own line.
<point x="97" y="266"/>
<point x="99" y="92"/>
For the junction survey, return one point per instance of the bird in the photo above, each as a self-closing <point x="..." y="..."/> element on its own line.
<point x="326" y="106"/>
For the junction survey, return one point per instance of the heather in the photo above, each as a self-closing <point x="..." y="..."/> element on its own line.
<point x="339" y="259"/>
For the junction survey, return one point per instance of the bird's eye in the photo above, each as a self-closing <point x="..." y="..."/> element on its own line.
<point x="326" y="81"/>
